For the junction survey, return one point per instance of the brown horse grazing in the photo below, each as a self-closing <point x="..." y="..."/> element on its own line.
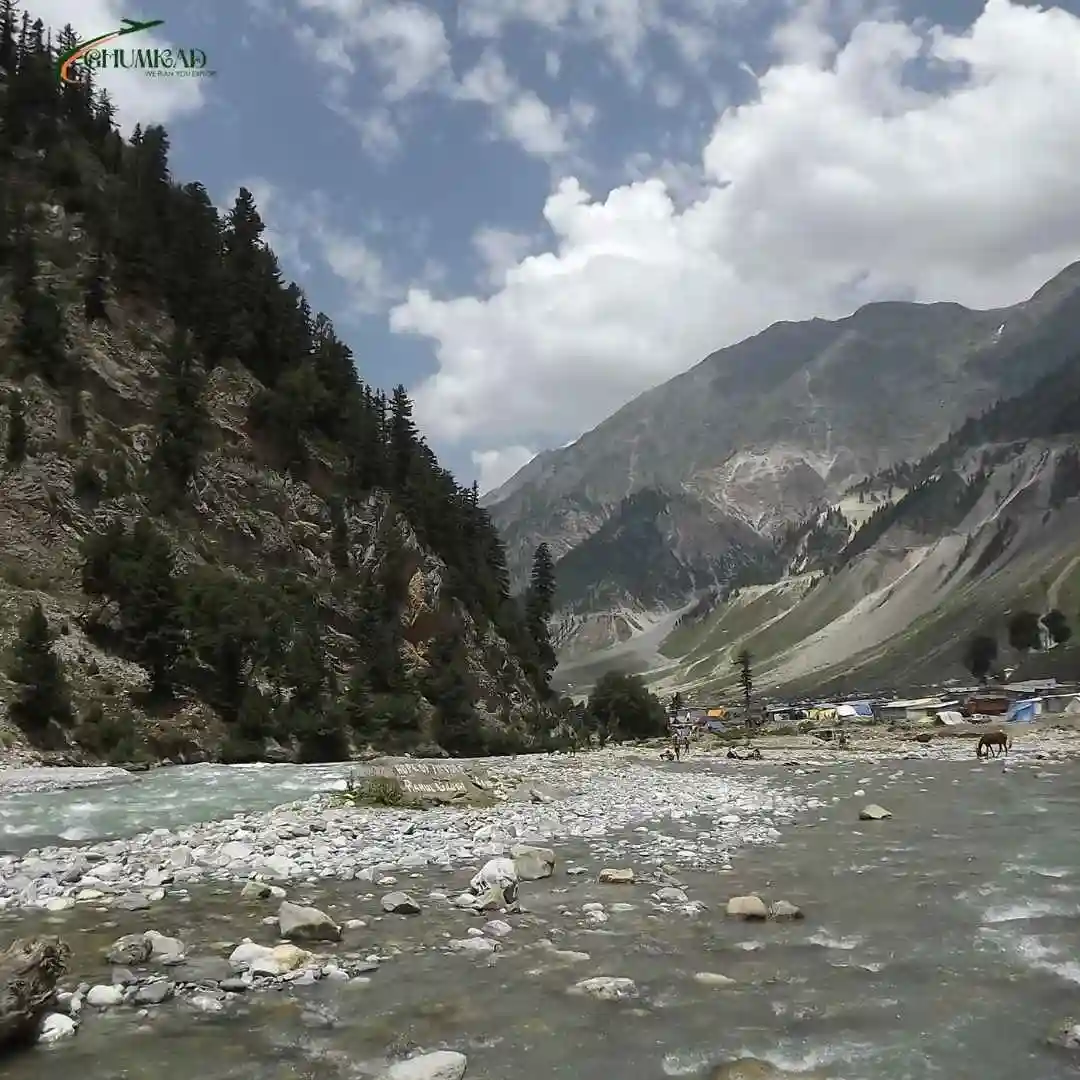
<point x="992" y="740"/>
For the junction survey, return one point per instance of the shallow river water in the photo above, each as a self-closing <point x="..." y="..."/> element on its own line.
<point x="942" y="943"/>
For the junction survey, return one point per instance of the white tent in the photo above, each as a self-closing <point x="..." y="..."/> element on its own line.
<point x="949" y="717"/>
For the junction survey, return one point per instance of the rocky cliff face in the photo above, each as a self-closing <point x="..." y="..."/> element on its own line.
<point x="244" y="515"/>
<point x="775" y="429"/>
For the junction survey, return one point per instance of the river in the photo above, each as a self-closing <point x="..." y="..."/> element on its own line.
<point x="942" y="943"/>
<point x="164" y="798"/>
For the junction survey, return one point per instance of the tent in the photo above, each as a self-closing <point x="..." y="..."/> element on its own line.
<point x="1022" y="712"/>
<point x="949" y="717"/>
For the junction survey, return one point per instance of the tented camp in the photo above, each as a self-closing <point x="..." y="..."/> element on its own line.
<point x="1056" y="704"/>
<point x="916" y="710"/>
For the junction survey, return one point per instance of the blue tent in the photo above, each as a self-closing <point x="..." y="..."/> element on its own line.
<point x="1022" y="712"/>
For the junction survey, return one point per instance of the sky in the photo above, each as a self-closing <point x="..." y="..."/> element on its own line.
<point x="530" y="211"/>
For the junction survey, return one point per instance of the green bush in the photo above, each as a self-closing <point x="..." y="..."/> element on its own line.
<point x="113" y="737"/>
<point x="372" y="791"/>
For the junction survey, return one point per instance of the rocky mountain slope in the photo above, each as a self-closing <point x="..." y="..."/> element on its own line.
<point x="765" y="433"/>
<point x="986" y="524"/>
<point x="241" y="549"/>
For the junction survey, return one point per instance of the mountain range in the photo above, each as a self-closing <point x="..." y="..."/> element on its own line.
<point x="753" y="471"/>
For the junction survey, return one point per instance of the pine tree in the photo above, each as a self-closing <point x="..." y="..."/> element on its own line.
<point x="539" y="607"/>
<point x="43" y="698"/>
<point x="746" y="680"/>
<point x="136" y="572"/>
<point x="182" y="425"/>
<point x="446" y="686"/>
<point x="403" y="439"/>
<point x="40" y="336"/>
<point x="17" y="434"/>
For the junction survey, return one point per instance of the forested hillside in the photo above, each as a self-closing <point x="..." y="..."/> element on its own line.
<point x="239" y="548"/>
<point x="940" y="491"/>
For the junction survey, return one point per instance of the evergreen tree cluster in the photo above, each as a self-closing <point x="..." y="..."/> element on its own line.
<point x="938" y="503"/>
<point x="253" y="645"/>
<point x="622" y="707"/>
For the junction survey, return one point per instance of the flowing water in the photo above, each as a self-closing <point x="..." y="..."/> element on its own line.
<point x="167" y="798"/>
<point x="942" y="943"/>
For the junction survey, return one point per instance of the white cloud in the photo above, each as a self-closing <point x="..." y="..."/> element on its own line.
<point x="495" y="467"/>
<point x="518" y="114"/>
<point x="619" y="27"/>
<point x="840" y="171"/>
<point x="500" y="249"/>
<point x="408" y="43"/>
<point x="404" y="42"/>
<point x="139" y="98"/>
<point x="298" y="228"/>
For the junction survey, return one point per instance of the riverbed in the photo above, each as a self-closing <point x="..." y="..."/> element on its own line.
<point x="939" y="943"/>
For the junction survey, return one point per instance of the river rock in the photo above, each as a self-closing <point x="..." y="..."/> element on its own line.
<point x="533" y="863"/>
<point x="439" y="1065"/>
<point x="713" y="978"/>
<point x="495" y="899"/>
<point x="132" y="901"/>
<point x="202" y="970"/>
<point x="498" y="873"/>
<point x="56" y="1026"/>
<point x="747" y="907"/>
<point x="109" y="872"/>
<point x="1065" y="1035"/>
<point x="101" y="997"/>
<point x="400" y="903"/>
<point x="235" y="851"/>
<point x="154" y="993"/>
<point x="282" y="960"/>
<point x="782" y="909"/>
<point x="306" y="923"/>
<point x="130" y="949"/>
<point x="255" y="890"/>
<point x="473" y="945"/>
<point x="180" y="857"/>
<point x="166" y="950"/>
<point x="612" y="876"/>
<point x="539" y="793"/>
<point x="670" y="895"/>
<point x="74" y="871"/>
<point x="606" y="988"/>
<point x="873" y="812"/>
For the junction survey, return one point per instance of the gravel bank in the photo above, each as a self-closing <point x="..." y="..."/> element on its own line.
<point x="541" y="799"/>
